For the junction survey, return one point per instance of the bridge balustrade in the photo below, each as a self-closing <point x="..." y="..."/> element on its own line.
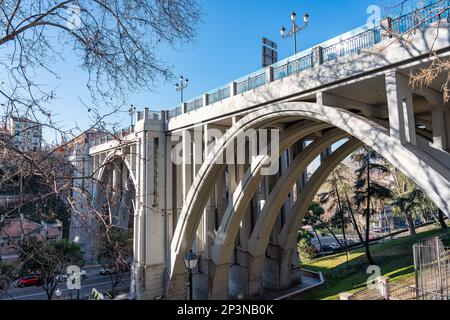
<point x="219" y="95"/>
<point x="251" y="83"/>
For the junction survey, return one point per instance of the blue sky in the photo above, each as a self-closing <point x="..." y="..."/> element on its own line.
<point x="228" y="47"/>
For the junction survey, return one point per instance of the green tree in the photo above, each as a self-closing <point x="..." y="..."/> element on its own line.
<point x="367" y="189"/>
<point x="49" y="260"/>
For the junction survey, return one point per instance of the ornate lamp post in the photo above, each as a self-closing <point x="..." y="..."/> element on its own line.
<point x="295" y="28"/>
<point x="181" y="86"/>
<point x="190" y="262"/>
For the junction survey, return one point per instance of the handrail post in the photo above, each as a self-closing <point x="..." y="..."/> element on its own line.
<point x="317" y="56"/>
<point x="233" y="88"/>
<point x="383" y="287"/>
<point x="269" y="74"/>
<point x="205" y="99"/>
<point x="386" y="28"/>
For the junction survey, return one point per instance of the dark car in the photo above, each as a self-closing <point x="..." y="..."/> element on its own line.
<point x="27" y="281"/>
<point x="105" y="271"/>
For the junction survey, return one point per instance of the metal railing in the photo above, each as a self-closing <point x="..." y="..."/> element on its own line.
<point x="291" y="67"/>
<point x="432" y="267"/>
<point x="194" y="105"/>
<point x="355" y="44"/>
<point x="251" y="83"/>
<point x="401" y="292"/>
<point x="154" y="115"/>
<point x="421" y="17"/>
<point x="219" y="95"/>
<point x="174" y="112"/>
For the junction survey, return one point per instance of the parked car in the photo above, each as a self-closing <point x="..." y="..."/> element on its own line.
<point x="63" y="277"/>
<point x="29" y="280"/>
<point x="106" y="271"/>
<point x="123" y="268"/>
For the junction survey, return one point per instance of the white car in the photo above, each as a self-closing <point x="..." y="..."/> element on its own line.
<point x="63" y="277"/>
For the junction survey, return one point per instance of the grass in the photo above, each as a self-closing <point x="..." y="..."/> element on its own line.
<point x="395" y="259"/>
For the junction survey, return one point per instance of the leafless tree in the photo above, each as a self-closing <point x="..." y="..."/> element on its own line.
<point x="117" y="43"/>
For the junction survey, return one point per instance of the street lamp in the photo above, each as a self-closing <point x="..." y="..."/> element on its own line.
<point x="295" y="28"/>
<point x="181" y="86"/>
<point x="190" y="262"/>
<point x="131" y="113"/>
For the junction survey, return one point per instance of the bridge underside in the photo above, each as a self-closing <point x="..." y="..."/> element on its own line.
<point x="241" y="216"/>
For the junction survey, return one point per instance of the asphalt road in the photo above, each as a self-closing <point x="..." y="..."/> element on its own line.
<point x="93" y="280"/>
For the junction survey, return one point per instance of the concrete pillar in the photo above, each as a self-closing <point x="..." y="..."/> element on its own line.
<point x="184" y="107"/>
<point x="441" y="127"/>
<point x="269" y="74"/>
<point x="401" y="112"/>
<point x="281" y="271"/>
<point x="187" y="163"/>
<point x="317" y="53"/>
<point x="233" y="89"/>
<point x="218" y="285"/>
<point x="177" y="289"/>
<point x="245" y="280"/>
<point x="383" y="287"/>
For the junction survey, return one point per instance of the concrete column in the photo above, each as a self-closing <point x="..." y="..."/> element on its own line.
<point x="281" y="271"/>
<point x="233" y="89"/>
<point x="187" y="163"/>
<point x="245" y="280"/>
<point x="269" y="74"/>
<point x="383" y="287"/>
<point x="218" y="287"/>
<point x="183" y="108"/>
<point x="401" y="111"/>
<point x="441" y="127"/>
<point x="317" y="53"/>
<point x="177" y="289"/>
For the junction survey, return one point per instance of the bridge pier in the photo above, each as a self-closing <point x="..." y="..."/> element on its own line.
<point x="245" y="279"/>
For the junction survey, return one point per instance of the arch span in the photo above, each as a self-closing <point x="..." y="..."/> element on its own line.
<point x="424" y="170"/>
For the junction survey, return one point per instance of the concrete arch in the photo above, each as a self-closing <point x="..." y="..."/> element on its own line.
<point x="103" y="175"/>
<point x="224" y="243"/>
<point x="228" y="228"/>
<point x="288" y="234"/>
<point x="260" y="235"/>
<point x="428" y="173"/>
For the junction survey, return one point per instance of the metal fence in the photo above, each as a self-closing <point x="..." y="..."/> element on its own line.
<point x="432" y="269"/>
<point x="422" y="17"/>
<point x="194" y="105"/>
<point x="291" y="67"/>
<point x="251" y="83"/>
<point x="219" y="95"/>
<point x="355" y="44"/>
<point x="174" y="113"/>
<point x="437" y="11"/>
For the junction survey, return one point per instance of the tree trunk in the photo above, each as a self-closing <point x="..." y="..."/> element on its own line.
<point x="442" y="219"/>
<point x="331" y="231"/>
<point x="318" y="239"/>
<point x="367" y="242"/>
<point x="411" y="227"/>
<point x="355" y="224"/>
<point x="342" y="215"/>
